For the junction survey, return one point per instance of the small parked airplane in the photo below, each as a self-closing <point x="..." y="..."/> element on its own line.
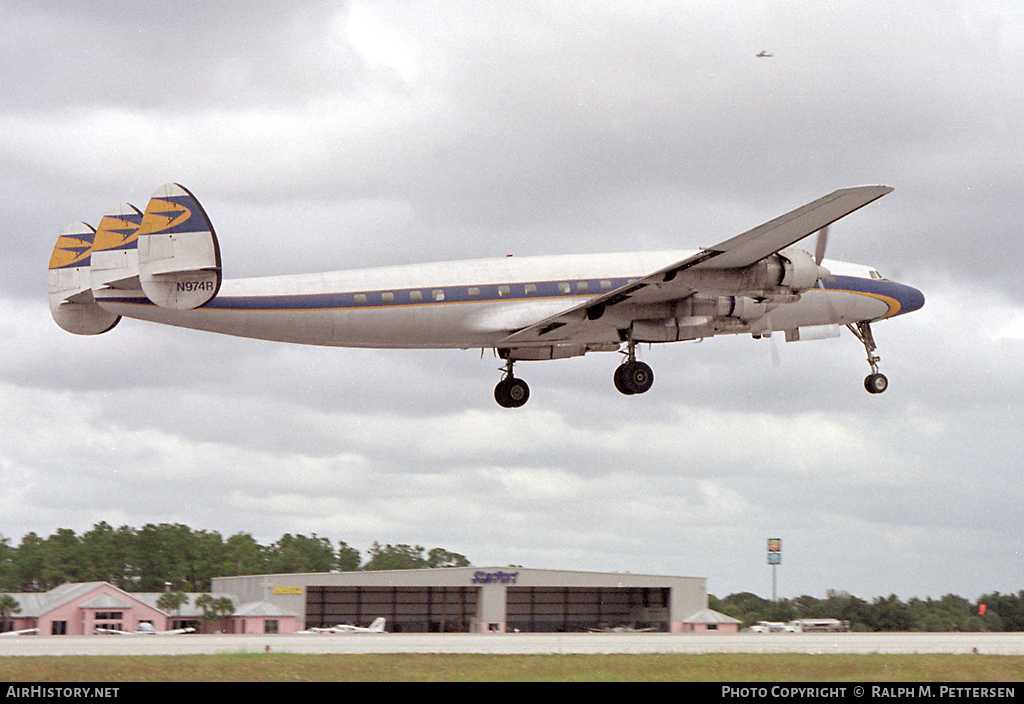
<point x="144" y="629"/>
<point x="22" y="632"/>
<point x="376" y="627"/>
<point x="763" y="54"/>
<point x="164" y="265"/>
<point x="621" y="629"/>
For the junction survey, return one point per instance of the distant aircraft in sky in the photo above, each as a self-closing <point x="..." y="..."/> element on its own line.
<point x="763" y="54"/>
<point x="376" y="627"/>
<point x="164" y="265"/>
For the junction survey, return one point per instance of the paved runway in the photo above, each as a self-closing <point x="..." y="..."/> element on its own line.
<point x="522" y="643"/>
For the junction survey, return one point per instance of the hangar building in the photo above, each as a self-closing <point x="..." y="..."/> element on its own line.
<point x="481" y="599"/>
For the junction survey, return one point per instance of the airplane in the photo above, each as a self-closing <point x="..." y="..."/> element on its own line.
<point x="621" y="629"/>
<point x="376" y="627"/>
<point x="764" y="54"/>
<point x="22" y="632"/>
<point x="164" y="265"/>
<point x="144" y="629"/>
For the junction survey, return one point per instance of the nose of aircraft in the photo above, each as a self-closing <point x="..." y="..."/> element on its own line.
<point x="910" y="298"/>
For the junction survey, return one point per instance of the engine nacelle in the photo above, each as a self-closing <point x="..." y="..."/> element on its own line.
<point x="747" y="309"/>
<point x="799" y="270"/>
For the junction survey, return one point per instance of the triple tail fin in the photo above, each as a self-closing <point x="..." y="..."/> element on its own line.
<point x="115" y="253"/>
<point x="179" y="256"/>
<point x="70" y="291"/>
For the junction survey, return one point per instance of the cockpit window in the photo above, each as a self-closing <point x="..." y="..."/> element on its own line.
<point x="875" y="275"/>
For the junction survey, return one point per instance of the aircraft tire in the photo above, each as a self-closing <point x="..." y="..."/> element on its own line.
<point x="639" y="377"/>
<point x="876" y="383"/>
<point x="517" y="392"/>
<point x="621" y="382"/>
<point x="501" y="394"/>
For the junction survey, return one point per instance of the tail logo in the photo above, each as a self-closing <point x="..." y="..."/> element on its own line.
<point x="163" y="215"/>
<point x="117" y="232"/>
<point x="72" y="250"/>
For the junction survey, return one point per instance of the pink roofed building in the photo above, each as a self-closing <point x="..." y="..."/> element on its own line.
<point x="82" y="608"/>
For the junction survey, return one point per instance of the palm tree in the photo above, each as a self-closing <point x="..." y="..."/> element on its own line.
<point x="172" y="601"/>
<point x="223" y="607"/>
<point x="206" y="603"/>
<point x="8" y="606"/>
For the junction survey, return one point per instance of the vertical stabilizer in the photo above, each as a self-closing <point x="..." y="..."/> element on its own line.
<point x="179" y="257"/>
<point x="115" y="252"/>
<point x="71" y="301"/>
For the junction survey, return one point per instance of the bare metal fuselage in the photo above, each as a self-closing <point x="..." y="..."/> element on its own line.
<point x="472" y="303"/>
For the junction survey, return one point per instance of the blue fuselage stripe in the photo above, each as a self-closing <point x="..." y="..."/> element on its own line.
<point x="484" y="293"/>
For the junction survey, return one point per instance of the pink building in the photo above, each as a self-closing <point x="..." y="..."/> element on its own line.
<point x="710" y="621"/>
<point x="81" y="608"/>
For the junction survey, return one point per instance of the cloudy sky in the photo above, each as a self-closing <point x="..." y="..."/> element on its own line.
<point x="331" y="135"/>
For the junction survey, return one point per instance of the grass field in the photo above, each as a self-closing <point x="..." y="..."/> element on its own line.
<point x="245" y="667"/>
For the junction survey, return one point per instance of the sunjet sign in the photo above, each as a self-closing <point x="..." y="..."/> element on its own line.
<point x="481" y="577"/>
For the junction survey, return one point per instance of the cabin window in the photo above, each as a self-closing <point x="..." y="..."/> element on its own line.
<point x="606" y="284"/>
<point x="530" y="288"/>
<point x="504" y="290"/>
<point x="582" y="285"/>
<point x="387" y="297"/>
<point x="359" y="298"/>
<point x="473" y="291"/>
<point x="564" y="287"/>
<point x="415" y="296"/>
<point x="438" y="294"/>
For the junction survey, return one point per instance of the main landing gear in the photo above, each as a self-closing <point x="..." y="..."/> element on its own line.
<point x="875" y="382"/>
<point x="633" y="377"/>
<point x="510" y="391"/>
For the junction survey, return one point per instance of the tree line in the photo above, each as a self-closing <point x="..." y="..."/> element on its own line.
<point x="146" y="559"/>
<point x="990" y="612"/>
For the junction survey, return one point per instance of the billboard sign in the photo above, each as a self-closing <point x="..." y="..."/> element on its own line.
<point x="774" y="551"/>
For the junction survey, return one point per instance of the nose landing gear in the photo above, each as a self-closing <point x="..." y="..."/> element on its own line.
<point x="510" y="391"/>
<point x="875" y="382"/>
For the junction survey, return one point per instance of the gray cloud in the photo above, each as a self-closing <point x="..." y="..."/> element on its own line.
<point x="326" y="136"/>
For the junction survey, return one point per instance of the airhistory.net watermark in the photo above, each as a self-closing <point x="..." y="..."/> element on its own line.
<point x="38" y="691"/>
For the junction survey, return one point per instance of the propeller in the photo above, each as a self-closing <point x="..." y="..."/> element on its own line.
<point x="821" y="245"/>
<point x="819" y="255"/>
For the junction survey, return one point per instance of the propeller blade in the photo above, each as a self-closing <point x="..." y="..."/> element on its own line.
<point x="821" y="245"/>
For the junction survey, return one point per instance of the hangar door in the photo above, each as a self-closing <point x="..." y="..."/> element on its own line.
<point x="568" y="609"/>
<point x="407" y="609"/>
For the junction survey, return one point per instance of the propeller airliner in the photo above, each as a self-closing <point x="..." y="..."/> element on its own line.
<point x="163" y="265"/>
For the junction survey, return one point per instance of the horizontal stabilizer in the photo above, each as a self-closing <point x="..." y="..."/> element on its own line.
<point x="179" y="257"/>
<point x="71" y="300"/>
<point x="115" y="251"/>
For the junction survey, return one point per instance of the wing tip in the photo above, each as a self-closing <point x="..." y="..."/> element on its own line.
<point x="880" y="189"/>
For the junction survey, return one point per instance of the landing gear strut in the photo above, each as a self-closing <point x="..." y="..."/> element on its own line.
<point x="875" y="382"/>
<point x="633" y="377"/>
<point x="510" y="391"/>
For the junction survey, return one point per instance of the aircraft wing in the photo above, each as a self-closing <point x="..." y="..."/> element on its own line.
<point x="22" y="632"/>
<point x="175" y="632"/>
<point x="113" y="632"/>
<point x="737" y="252"/>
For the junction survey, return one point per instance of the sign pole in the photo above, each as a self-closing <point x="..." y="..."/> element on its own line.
<point x="774" y="559"/>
